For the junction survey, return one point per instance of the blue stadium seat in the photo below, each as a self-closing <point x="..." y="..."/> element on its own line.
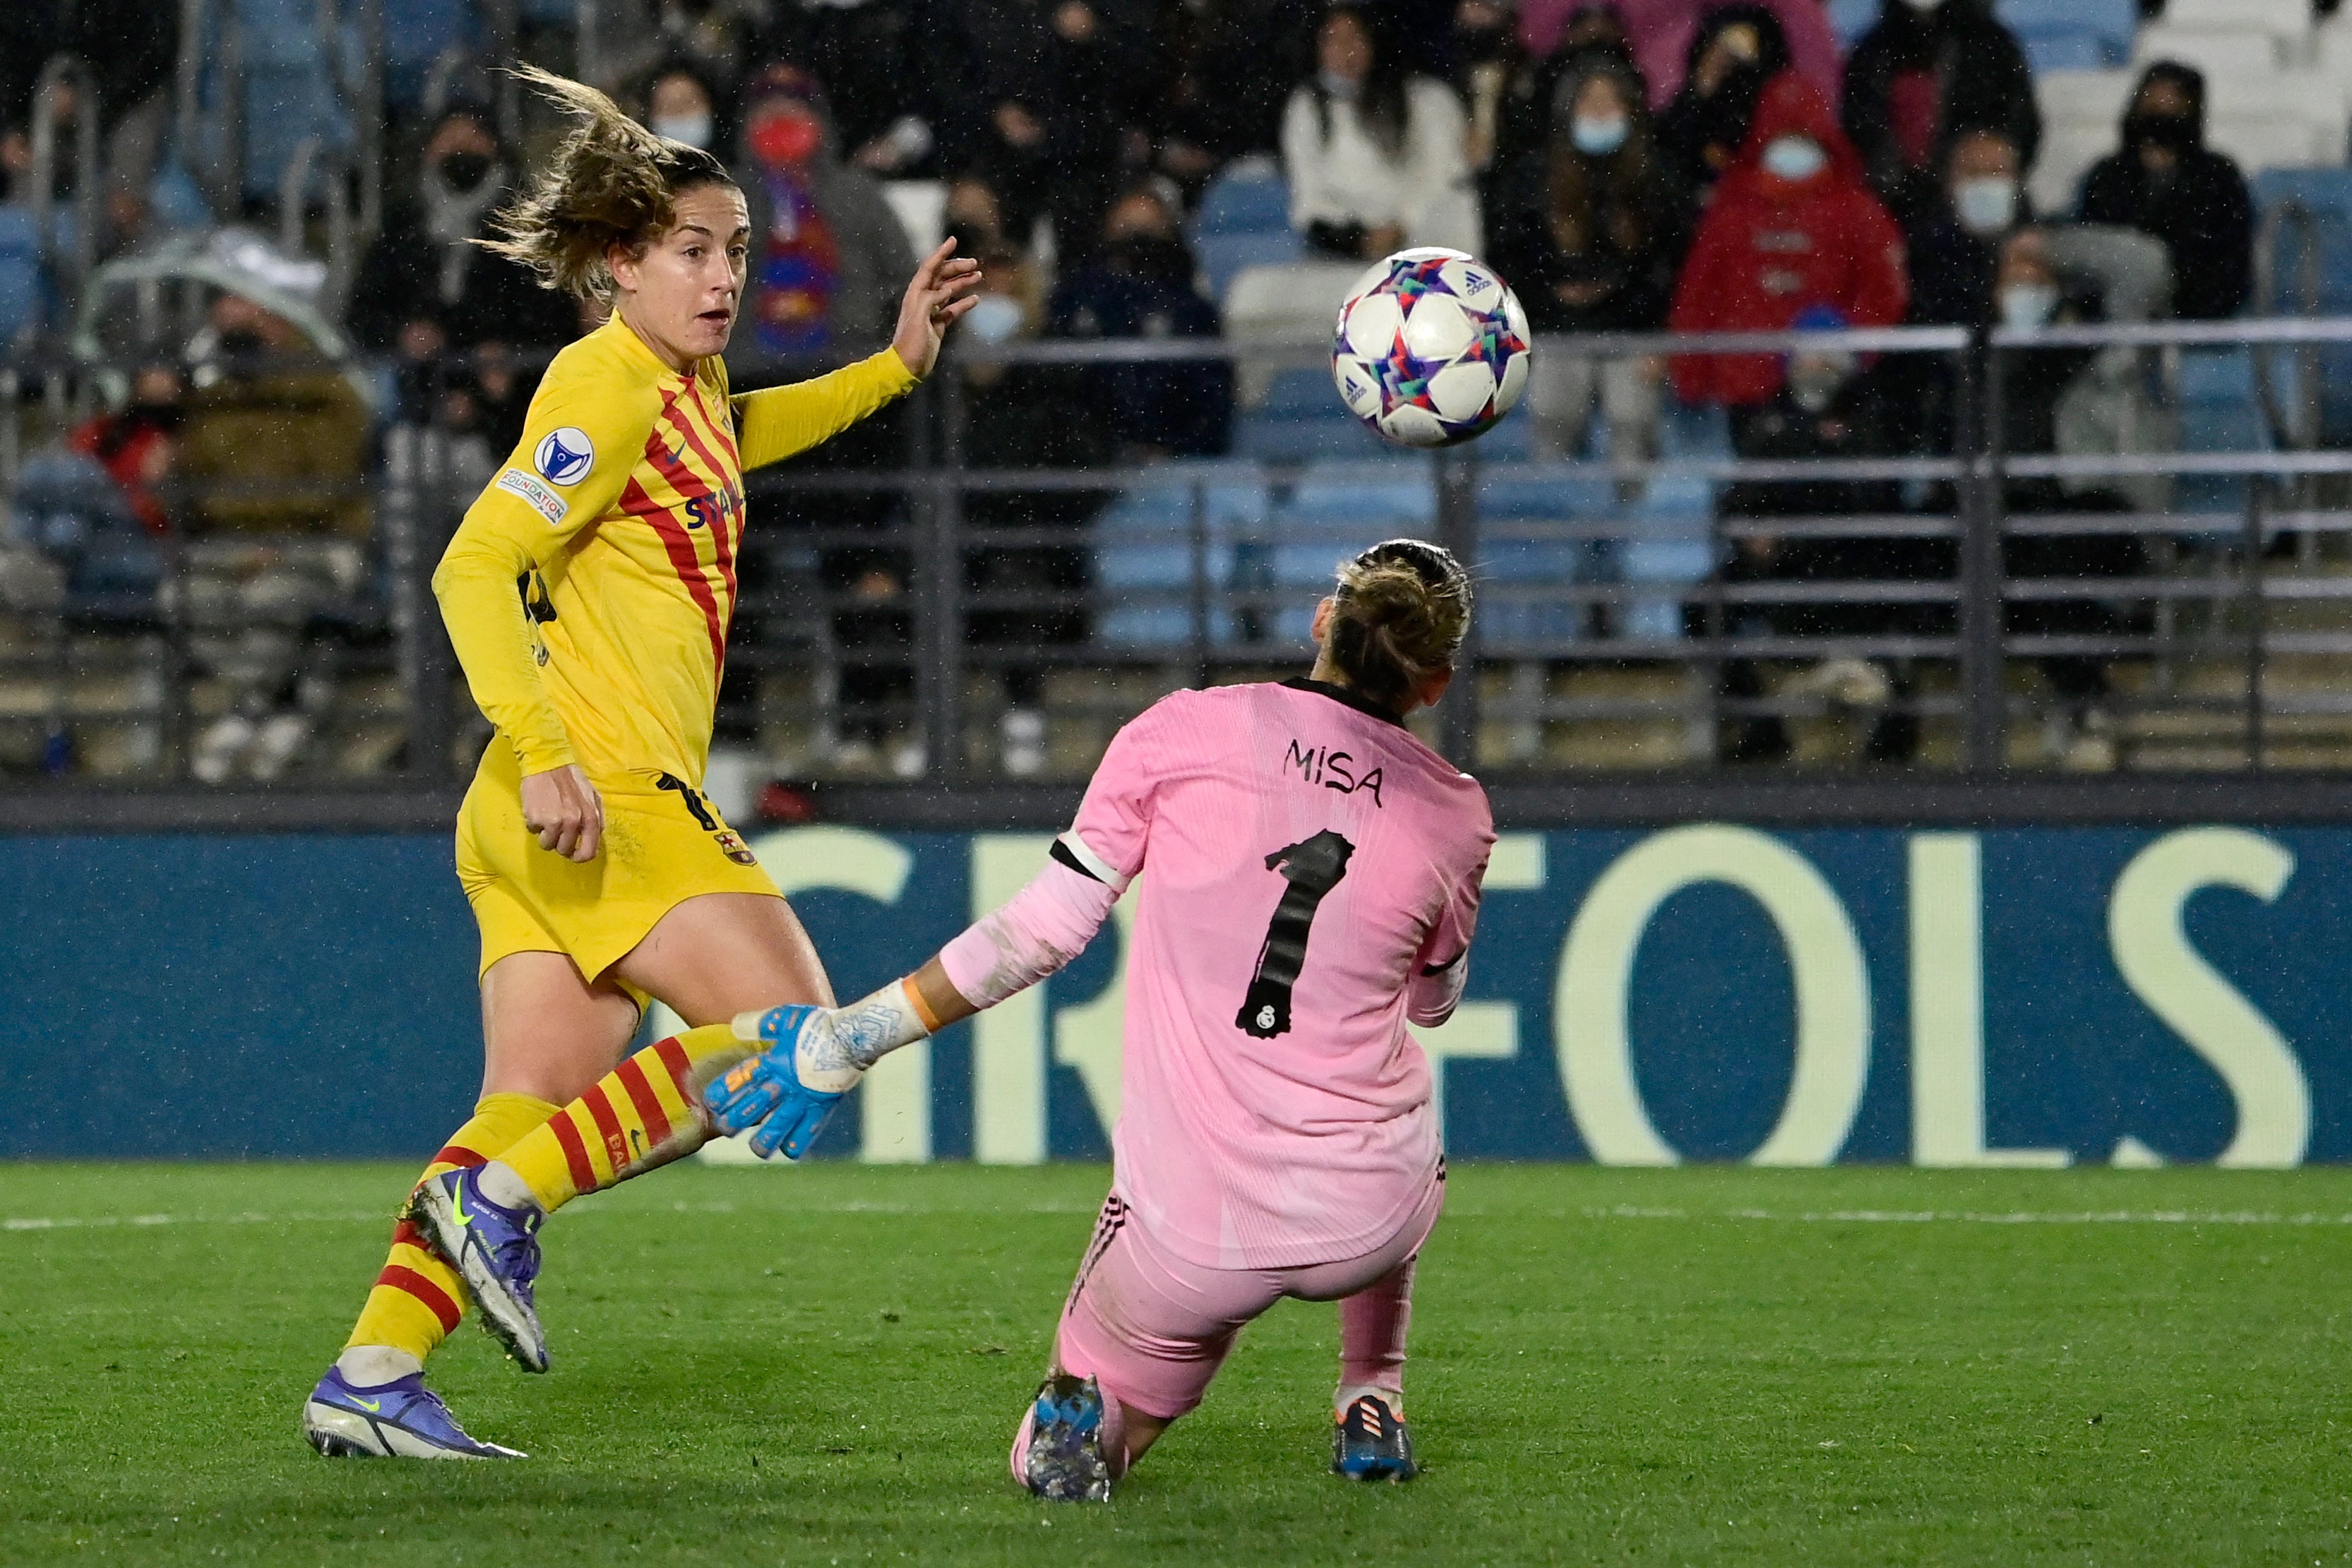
<point x="1513" y="495"/>
<point x="1667" y="543"/>
<point x="1271" y="438"/>
<point x="1695" y="435"/>
<point x="1852" y="18"/>
<point x="2327" y="194"/>
<point x="1223" y="257"/>
<point x="21" y="294"/>
<point x="2219" y="412"/>
<point x="1143" y="555"/>
<point x="1243" y="201"/>
<point x="2116" y="23"/>
<point x="1303" y="391"/>
<point x="2069" y="49"/>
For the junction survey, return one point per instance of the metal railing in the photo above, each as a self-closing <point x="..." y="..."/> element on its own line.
<point x="909" y="590"/>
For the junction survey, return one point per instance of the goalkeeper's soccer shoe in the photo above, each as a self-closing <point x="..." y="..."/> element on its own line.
<point x="1063" y="1460"/>
<point x="495" y="1250"/>
<point x="400" y="1419"/>
<point x="1369" y="1443"/>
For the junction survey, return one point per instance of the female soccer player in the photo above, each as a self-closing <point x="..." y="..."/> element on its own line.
<point x="1315" y="880"/>
<point x="588" y="593"/>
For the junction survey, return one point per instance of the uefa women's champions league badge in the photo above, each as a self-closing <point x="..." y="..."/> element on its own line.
<point x="565" y="455"/>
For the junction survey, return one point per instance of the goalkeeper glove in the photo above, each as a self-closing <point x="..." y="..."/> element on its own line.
<point x="789" y="1090"/>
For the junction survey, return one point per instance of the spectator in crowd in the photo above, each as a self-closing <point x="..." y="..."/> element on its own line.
<point x="1025" y="594"/>
<point x="273" y="456"/>
<point x="2077" y="403"/>
<point x="1037" y="96"/>
<point x="2167" y="183"/>
<point x="877" y="73"/>
<point x="1793" y="227"/>
<point x="425" y="288"/>
<point x="1830" y="408"/>
<point x="681" y="105"/>
<point x="1376" y="158"/>
<point x="136" y="444"/>
<point x="1227" y="67"/>
<point x="132" y="49"/>
<point x="1520" y="119"/>
<point x="1589" y="231"/>
<point x="827" y="253"/>
<point x="1140" y="286"/>
<point x="1929" y="71"/>
<point x="1667" y="36"/>
<point x="1736" y="51"/>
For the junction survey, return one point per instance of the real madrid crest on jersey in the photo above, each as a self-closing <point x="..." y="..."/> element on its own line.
<point x="565" y="455"/>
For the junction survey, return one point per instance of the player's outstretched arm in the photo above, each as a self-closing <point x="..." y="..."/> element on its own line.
<point x="812" y="1057"/>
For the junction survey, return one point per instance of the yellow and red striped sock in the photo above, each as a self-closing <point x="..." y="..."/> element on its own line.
<point x="418" y="1299"/>
<point x="644" y="1112"/>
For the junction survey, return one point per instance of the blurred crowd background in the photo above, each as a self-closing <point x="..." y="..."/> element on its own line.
<point x="247" y="330"/>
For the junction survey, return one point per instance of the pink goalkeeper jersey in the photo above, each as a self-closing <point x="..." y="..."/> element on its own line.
<point x="1313" y="872"/>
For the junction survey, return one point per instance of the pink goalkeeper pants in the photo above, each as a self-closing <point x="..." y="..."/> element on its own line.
<point x="1152" y="1329"/>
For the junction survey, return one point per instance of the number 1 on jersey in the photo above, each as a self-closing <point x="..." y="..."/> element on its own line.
<point x="1312" y="868"/>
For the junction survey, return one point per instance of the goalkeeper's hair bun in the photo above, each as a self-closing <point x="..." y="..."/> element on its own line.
<point x="1398" y="616"/>
<point x="610" y="182"/>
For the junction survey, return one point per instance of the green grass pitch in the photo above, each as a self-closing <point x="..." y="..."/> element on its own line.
<point x="822" y="1365"/>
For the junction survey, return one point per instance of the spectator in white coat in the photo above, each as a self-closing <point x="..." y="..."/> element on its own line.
<point x="1378" y="159"/>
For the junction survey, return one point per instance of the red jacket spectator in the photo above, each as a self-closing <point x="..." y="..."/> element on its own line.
<point x="1772" y="246"/>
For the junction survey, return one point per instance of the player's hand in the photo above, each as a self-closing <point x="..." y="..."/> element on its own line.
<point x="563" y="809"/>
<point x="789" y="1090"/>
<point x="940" y="292"/>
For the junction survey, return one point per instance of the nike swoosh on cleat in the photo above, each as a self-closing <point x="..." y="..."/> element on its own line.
<point x="373" y="1406"/>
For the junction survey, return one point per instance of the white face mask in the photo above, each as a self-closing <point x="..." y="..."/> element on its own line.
<point x="1923" y="5"/>
<point x="1814" y="381"/>
<point x="1795" y="158"/>
<point x="694" y="130"/>
<point x="993" y="317"/>
<point x="1597" y="138"/>
<point x="2025" y="307"/>
<point x="1986" y="204"/>
<point x="1344" y="89"/>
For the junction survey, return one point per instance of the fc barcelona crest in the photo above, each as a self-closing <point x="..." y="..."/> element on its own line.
<point x="732" y="844"/>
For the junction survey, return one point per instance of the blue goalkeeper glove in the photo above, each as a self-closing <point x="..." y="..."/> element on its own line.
<point x="784" y="1092"/>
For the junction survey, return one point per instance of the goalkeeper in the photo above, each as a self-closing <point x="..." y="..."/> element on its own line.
<point x="1314" y="883"/>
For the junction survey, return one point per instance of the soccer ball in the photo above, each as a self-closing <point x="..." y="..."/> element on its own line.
<point x="1432" y="347"/>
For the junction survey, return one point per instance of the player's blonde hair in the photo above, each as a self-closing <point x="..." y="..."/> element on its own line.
<point x="1398" y="616"/>
<point x="612" y="182"/>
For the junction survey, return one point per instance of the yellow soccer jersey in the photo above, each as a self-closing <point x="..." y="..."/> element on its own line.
<point x="589" y="588"/>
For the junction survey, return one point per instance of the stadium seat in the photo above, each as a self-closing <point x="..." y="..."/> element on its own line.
<point x="1852" y="18"/>
<point x="2289" y="141"/>
<point x="2289" y="19"/>
<point x="1223" y="257"/>
<point x="2071" y="50"/>
<point x="1249" y="198"/>
<point x="1274" y="439"/>
<point x="2237" y="53"/>
<point x="21" y="293"/>
<point x="2114" y="23"/>
<point x="1143" y="556"/>
<point x="1667" y="543"/>
<point x="2219" y="412"/>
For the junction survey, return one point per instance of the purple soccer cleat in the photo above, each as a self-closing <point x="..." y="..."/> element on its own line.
<point x="402" y="1419"/>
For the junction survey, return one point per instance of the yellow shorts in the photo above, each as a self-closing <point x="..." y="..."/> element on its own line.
<point x="662" y="846"/>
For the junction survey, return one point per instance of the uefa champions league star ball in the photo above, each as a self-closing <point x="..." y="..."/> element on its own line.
<point x="1432" y="347"/>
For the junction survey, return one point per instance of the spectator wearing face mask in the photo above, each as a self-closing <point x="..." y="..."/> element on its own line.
<point x="2167" y="183"/>
<point x="2076" y="403"/>
<point x="1376" y="158"/>
<point x="1927" y="72"/>
<point x="1590" y="231"/>
<point x="680" y="105"/>
<point x="1140" y="287"/>
<point x="1735" y="51"/>
<point x="826" y="251"/>
<point x="1830" y="408"/>
<point x="1668" y="36"/>
<point x="1517" y="123"/>
<point x="425" y="288"/>
<point x="1793" y="227"/>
